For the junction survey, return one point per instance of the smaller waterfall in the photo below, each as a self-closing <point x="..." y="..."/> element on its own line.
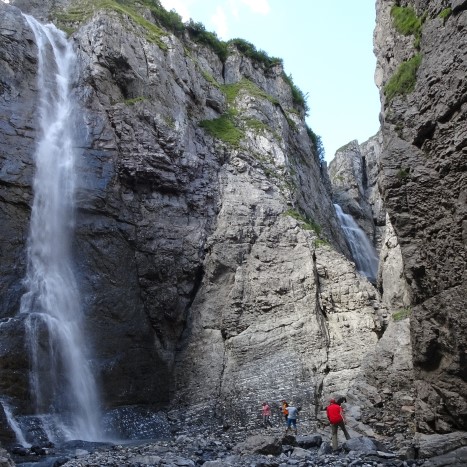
<point x="14" y="424"/>
<point x="363" y="252"/>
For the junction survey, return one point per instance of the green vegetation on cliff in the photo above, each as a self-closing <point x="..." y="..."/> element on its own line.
<point x="406" y="21"/>
<point x="231" y="91"/>
<point x="445" y="14"/>
<point x="249" y="50"/>
<point x="299" y="98"/>
<point x="403" y="173"/>
<point x="80" y="11"/>
<point x="401" y="314"/>
<point x="317" y="144"/>
<point x="229" y="127"/>
<point x="404" y="79"/>
<point x="223" y="128"/>
<point x="306" y="223"/>
<point x="198" y="33"/>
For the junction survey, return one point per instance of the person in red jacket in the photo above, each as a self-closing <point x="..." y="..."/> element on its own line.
<point x="336" y="419"/>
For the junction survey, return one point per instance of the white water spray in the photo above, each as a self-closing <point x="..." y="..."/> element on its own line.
<point x="14" y="424"/>
<point x="363" y="252"/>
<point x="62" y="382"/>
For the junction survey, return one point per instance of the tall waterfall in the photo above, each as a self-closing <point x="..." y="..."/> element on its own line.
<point x="61" y="380"/>
<point x="363" y="252"/>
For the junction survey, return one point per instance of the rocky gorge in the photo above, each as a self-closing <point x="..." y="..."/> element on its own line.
<point x="212" y="266"/>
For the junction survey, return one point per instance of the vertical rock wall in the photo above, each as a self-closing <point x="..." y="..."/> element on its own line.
<point x="423" y="182"/>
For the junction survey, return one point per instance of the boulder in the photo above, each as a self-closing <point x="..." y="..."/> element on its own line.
<point x="260" y="444"/>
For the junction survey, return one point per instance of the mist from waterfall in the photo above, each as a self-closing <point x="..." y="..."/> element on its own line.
<point x="362" y="250"/>
<point x="61" y="381"/>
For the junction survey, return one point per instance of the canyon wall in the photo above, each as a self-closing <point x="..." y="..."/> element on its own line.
<point x="424" y="189"/>
<point x="210" y="260"/>
<point x="211" y="264"/>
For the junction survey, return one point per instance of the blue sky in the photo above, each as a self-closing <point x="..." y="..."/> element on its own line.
<point x="327" y="47"/>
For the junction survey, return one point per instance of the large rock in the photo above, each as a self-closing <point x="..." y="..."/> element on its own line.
<point x="260" y="444"/>
<point x="5" y="459"/>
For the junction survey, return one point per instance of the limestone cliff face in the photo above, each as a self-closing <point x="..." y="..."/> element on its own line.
<point x="423" y="183"/>
<point x="209" y="269"/>
<point x="354" y="174"/>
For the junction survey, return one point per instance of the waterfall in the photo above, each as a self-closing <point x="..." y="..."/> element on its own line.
<point x="14" y="424"/>
<point x="61" y="381"/>
<point x="362" y="250"/>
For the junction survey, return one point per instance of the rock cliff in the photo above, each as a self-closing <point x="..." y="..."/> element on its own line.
<point x="421" y="76"/>
<point x="210" y="260"/>
<point x="417" y="218"/>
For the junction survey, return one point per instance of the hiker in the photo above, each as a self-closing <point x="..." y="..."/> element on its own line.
<point x="292" y="418"/>
<point x="284" y="410"/>
<point x="266" y="413"/>
<point x="335" y="415"/>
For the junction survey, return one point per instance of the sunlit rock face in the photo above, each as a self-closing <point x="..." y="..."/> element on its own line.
<point x="386" y="380"/>
<point x="349" y="179"/>
<point x="423" y="164"/>
<point x="354" y="175"/>
<point x="209" y="270"/>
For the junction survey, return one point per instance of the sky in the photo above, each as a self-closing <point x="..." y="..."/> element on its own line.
<point x="327" y="47"/>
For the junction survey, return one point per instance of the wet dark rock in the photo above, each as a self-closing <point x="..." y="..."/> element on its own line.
<point x="309" y="441"/>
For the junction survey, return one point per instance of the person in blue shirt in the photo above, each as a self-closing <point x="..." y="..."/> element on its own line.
<point x="292" y="418"/>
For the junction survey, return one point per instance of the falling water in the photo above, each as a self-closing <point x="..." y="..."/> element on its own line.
<point x="363" y="252"/>
<point x="14" y="424"/>
<point x="61" y="380"/>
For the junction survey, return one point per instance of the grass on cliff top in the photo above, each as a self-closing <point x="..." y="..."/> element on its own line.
<point x="86" y="8"/>
<point x="404" y="79"/>
<point x="317" y="145"/>
<point x="172" y="21"/>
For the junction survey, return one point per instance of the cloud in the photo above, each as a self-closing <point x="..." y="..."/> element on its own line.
<point x="219" y="19"/>
<point x="179" y="6"/>
<point x="258" y="6"/>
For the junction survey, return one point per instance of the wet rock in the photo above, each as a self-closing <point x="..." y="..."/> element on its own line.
<point x="309" y="441"/>
<point x="5" y="459"/>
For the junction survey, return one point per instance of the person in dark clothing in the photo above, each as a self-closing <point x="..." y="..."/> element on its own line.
<point x="336" y="418"/>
